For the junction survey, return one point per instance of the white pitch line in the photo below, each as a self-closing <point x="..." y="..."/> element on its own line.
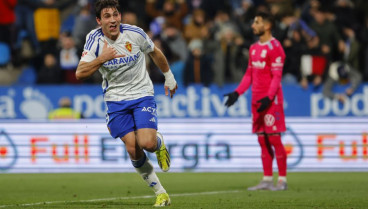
<point x="121" y="198"/>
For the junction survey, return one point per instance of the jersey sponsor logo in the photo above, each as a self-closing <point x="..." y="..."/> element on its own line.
<point x="148" y="109"/>
<point x="278" y="60"/>
<point x="153" y="120"/>
<point x="128" y="46"/>
<point x="263" y="53"/>
<point x="277" y="63"/>
<point x="122" y="60"/>
<point x="269" y="120"/>
<point x="258" y="64"/>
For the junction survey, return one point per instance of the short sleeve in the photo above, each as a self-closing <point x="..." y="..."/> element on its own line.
<point x="145" y="43"/>
<point x="91" y="47"/>
<point x="277" y="57"/>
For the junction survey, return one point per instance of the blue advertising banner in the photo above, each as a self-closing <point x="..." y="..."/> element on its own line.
<point x="34" y="102"/>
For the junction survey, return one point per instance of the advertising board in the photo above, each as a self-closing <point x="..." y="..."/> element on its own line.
<point x="198" y="145"/>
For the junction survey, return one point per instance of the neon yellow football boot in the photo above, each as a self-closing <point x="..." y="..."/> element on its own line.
<point x="163" y="157"/>
<point x="162" y="200"/>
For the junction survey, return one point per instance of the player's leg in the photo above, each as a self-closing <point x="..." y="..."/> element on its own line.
<point x="121" y="124"/>
<point x="148" y="138"/>
<point x="145" y="140"/>
<point x="281" y="159"/>
<point x="145" y="119"/>
<point x="152" y="141"/>
<point x="141" y="163"/>
<point x="267" y="159"/>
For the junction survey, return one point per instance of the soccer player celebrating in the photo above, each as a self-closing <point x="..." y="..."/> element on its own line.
<point x="264" y="72"/>
<point x="118" y="52"/>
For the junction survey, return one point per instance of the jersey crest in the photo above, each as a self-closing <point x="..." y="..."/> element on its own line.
<point x="128" y="46"/>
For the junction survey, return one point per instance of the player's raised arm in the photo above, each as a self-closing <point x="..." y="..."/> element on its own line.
<point x="86" y="69"/>
<point x="160" y="60"/>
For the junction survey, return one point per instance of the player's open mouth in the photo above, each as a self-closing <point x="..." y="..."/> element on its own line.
<point x="112" y="27"/>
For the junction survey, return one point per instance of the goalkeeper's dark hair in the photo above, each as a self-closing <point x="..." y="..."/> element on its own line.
<point x="103" y="4"/>
<point x="266" y="17"/>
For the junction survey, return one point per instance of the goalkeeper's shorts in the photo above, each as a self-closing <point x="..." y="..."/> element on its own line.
<point x="271" y="120"/>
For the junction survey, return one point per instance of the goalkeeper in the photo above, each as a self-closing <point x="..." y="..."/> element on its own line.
<point x="264" y="72"/>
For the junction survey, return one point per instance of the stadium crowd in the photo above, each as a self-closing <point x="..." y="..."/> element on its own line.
<point x="205" y="41"/>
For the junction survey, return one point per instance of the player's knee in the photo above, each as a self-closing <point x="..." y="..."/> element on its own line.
<point x="261" y="140"/>
<point x="132" y="151"/>
<point x="149" y="145"/>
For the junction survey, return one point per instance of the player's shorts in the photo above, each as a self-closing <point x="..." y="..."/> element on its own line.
<point x="126" y="116"/>
<point x="271" y="120"/>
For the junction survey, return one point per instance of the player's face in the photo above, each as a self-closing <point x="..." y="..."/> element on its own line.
<point x="110" y="22"/>
<point x="258" y="26"/>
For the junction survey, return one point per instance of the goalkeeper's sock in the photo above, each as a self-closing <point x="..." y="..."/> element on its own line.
<point x="280" y="152"/>
<point x="144" y="167"/>
<point x="282" y="178"/>
<point x="267" y="158"/>
<point x="267" y="178"/>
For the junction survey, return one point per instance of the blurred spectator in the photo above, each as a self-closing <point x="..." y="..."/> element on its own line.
<point x="129" y="17"/>
<point x="308" y="9"/>
<point x="25" y="22"/>
<point x="198" y="66"/>
<point x="193" y="30"/>
<point x="84" y="23"/>
<point x="234" y="58"/>
<point x="136" y="8"/>
<point x="47" y="22"/>
<point x="243" y="17"/>
<point x="7" y="26"/>
<point x="174" y="39"/>
<point x="156" y="26"/>
<point x="211" y="7"/>
<point x="172" y="11"/>
<point x="223" y="21"/>
<point x="341" y="73"/>
<point x="69" y="58"/>
<point x="50" y="72"/>
<point x="345" y="70"/>
<point x="279" y="7"/>
<point x="364" y="51"/>
<point x="344" y="14"/>
<point x="297" y="39"/>
<point x="330" y="39"/>
<point x="212" y="48"/>
<point x="47" y="25"/>
<point x="329" y="42"/>
<point x="65" y="111"/>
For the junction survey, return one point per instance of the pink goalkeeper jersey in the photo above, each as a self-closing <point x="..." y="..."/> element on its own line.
<point x="264" y="72"/>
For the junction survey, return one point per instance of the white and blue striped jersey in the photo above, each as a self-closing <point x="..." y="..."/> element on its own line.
<point x="124" y="78"/>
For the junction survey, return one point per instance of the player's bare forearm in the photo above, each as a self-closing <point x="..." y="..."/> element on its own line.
<point x="86" y="69"/>
<point x="160" y="60"/>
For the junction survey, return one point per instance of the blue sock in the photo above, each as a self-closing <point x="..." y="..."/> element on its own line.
<point x="158" y="143"/>
<point x="139" y="163"/>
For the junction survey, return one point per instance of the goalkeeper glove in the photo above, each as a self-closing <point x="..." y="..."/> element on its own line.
<point x="265" y="102"/>
<point x="232" y="98"/>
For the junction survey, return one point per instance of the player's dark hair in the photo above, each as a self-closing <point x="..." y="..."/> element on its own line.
<point x="103" y="4"/>
<point x="266" y="17"/>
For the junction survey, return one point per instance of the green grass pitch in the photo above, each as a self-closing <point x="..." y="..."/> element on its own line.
<point x="187" y="190"/>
